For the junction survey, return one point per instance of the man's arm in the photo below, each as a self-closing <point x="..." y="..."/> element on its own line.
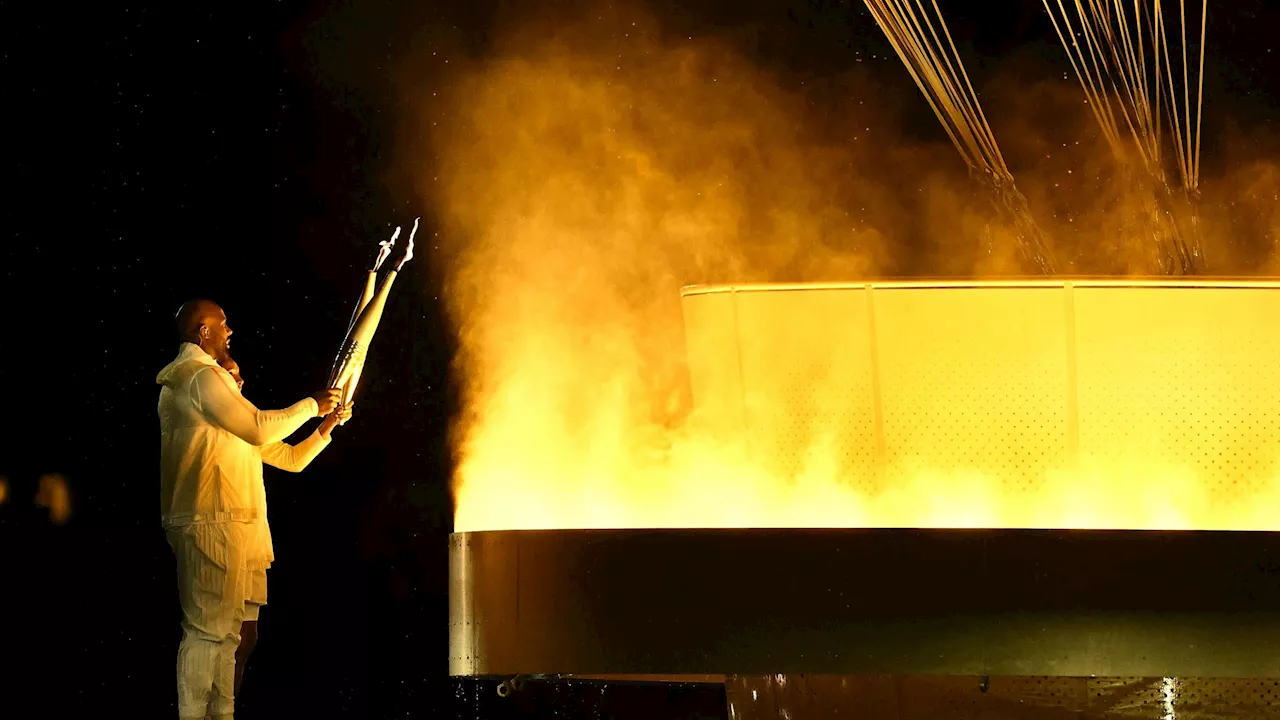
<point x="294" y="458"/>
<point x="223" y="406"/>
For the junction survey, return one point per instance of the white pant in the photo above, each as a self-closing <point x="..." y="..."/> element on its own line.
<point x="214" y="584"/>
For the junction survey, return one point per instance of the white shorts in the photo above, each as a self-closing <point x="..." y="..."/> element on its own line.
<point x="257" y="595"/>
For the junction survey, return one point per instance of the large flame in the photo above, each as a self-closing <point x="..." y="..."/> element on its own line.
<point x="585" y="172"/>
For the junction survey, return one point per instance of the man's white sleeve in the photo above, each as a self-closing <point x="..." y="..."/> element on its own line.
<point x="294" y="458"/>
<point x="229" y="410"/>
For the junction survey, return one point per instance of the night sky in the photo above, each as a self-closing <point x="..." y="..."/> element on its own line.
<point x="247" y="152"/>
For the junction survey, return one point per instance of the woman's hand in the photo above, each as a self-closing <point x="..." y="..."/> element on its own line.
<point x="340" y="415"/>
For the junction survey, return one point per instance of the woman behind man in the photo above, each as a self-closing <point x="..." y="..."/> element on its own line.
<point x="290" y="458"/>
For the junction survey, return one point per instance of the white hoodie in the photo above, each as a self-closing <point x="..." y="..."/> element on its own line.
<point x="213" y="443"/>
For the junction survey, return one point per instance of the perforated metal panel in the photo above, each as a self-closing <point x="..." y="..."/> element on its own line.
<point x="803" y="408"/>
<point x="1063" y="404"/>
<point x="974" y="381"/>
<point x="1188" y="379"/>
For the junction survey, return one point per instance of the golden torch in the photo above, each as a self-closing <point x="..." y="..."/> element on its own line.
<point x="349" y="363"/>
<point x="370" y="285"/>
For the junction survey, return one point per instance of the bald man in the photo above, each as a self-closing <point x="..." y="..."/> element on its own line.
<point x="210" y="504"/>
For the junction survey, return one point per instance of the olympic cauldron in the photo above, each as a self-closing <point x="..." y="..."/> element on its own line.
<point x="1008" y="380"/>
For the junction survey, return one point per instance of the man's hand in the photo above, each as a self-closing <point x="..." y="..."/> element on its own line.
<point x="327" y="400"/>
<point x="334" y="419"/>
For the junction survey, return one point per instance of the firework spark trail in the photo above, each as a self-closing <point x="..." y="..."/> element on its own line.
<point x="941" y="77"/>
<point x="1121" y="76"/>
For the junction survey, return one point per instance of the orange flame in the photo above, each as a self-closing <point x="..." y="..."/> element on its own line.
<point x="586" y="171"/>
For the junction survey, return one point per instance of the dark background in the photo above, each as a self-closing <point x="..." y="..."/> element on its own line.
<point x="246" y="152"/>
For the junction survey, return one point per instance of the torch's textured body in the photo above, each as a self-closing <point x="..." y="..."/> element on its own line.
<point x="371" y="279"/>
<point x="370" y="287"/>
<point x="356" y="346"/>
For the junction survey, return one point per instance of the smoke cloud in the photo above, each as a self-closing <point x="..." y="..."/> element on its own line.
<point x="590" y="166"/>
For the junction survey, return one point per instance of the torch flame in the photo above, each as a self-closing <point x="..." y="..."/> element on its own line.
<point x="384" y="249"/>
<point x="408" y="250"/>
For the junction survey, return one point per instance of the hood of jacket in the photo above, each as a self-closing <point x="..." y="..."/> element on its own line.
<point x="189" y="360"/>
